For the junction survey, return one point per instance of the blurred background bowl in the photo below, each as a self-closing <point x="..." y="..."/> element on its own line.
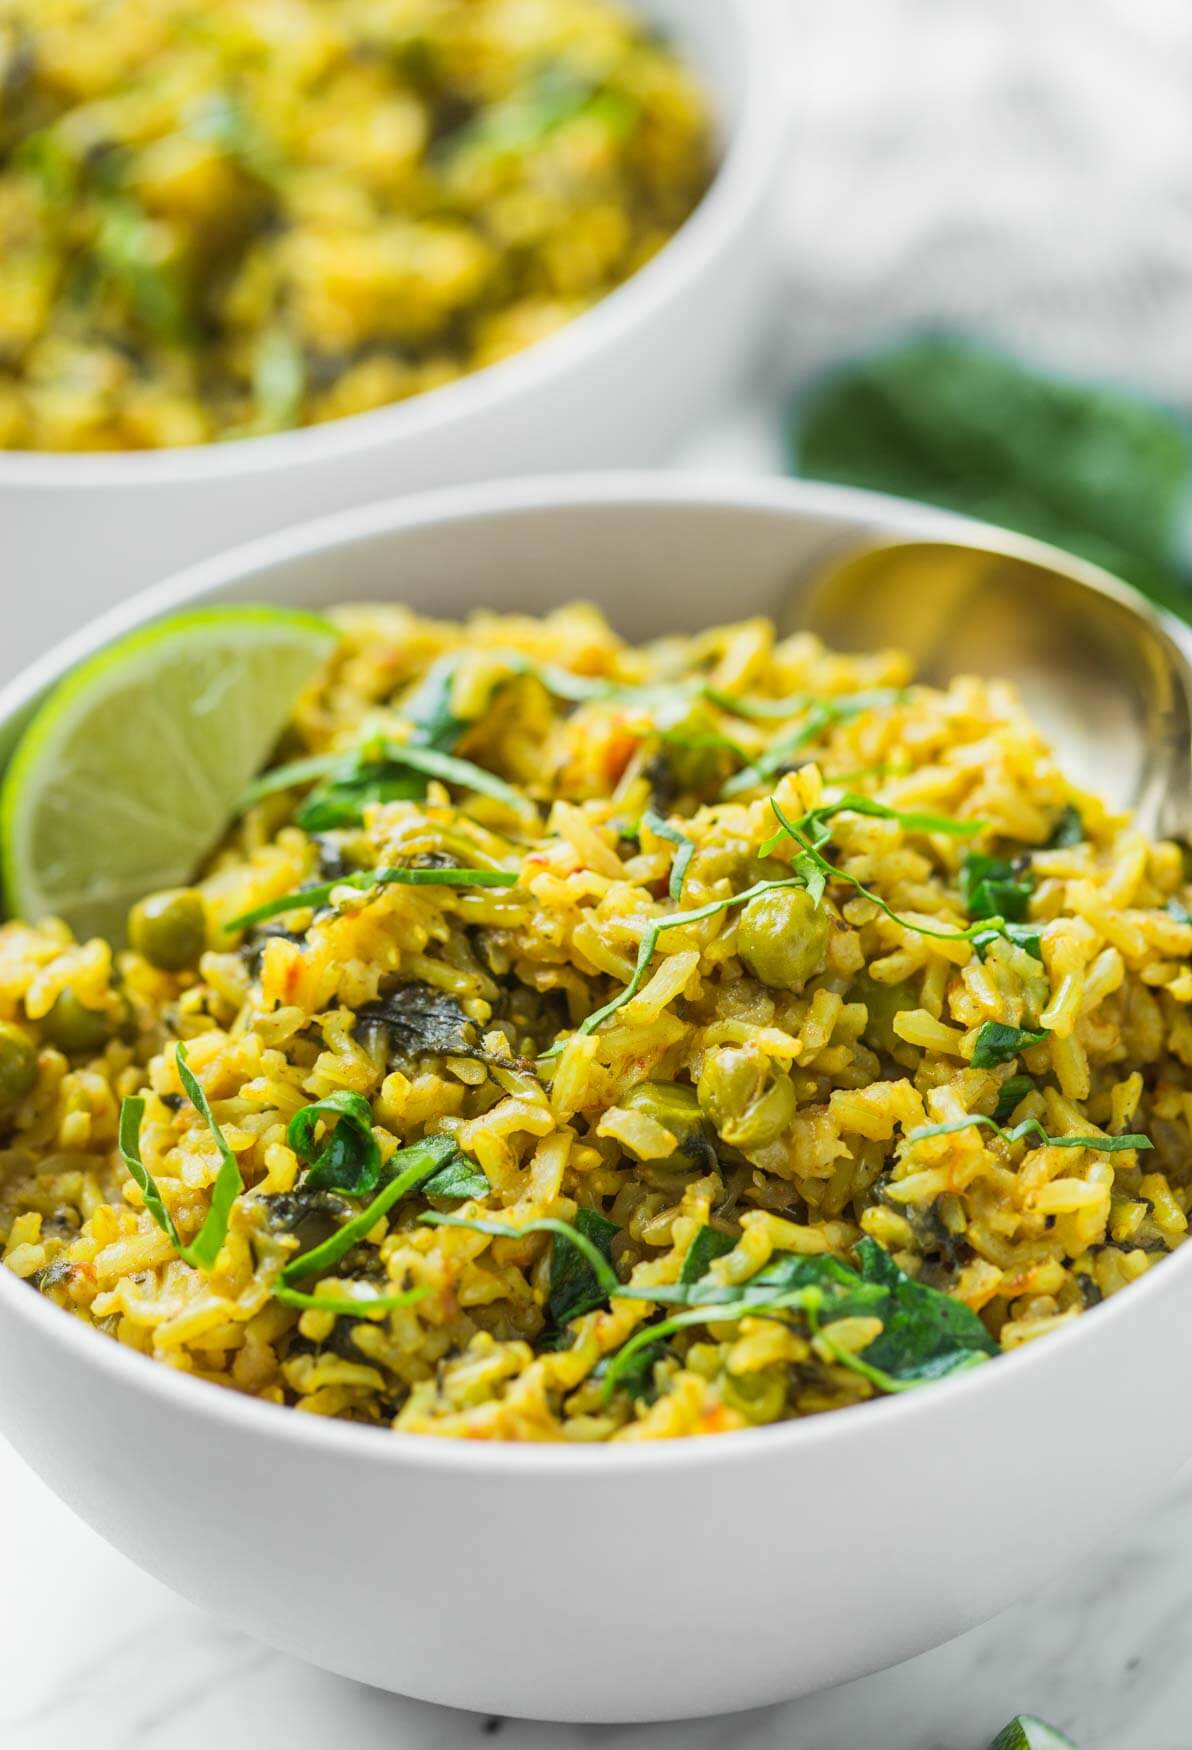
<point x="619" y="385"/>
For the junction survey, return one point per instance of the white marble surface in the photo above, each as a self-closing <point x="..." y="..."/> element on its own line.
<point x="94" y="1654"/>
<point x="993" y="124"/>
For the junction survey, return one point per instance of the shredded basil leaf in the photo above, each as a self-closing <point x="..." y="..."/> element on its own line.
<point x="204" y="1249"/>
<point x="310" y="898"/>
<point x="346" y="1305"/>
<point x="1027" y="936"/>
<point x="996" y="1042"/>
<point x="664" y="830"/>
<point x="1031" y="1127"/>
<point x="410" y="1166"/>
<point x="649" y="943"/>
<point x="349" y="1159"/>
<point x="830" y="872"/>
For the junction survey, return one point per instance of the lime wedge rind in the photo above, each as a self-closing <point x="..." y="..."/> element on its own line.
<point x="129" y="772"/>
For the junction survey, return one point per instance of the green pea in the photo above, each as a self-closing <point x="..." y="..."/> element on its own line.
<point x="782" y="936"/>
<point x="749" y="1104"/>
<point x="18" y="1064"/>
<point x="170" y="928"/>
<point x="675" y="1106"/>
<point x="759" y="1396"/>
<point x="74" y="1028"/>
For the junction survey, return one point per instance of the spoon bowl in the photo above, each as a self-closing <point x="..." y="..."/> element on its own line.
<point x="1107" y="677"/>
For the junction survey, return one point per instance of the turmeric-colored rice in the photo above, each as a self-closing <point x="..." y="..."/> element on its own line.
<point x="802" y="1059"/>
<point x="224" y="218"/>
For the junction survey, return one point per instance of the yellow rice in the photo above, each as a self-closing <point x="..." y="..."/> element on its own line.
<point x="222" y="218"/>
<point x="875" y="1045"/>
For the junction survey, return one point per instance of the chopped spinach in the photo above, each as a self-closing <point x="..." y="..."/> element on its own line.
<point x="345" y="1305"/>
<point x="349" y="1159"/>
<point x="418" y="1021"/>
<point x="1067" y="831"/>
<point x="1028" y="937"/>
<point x="427" y="707"/>
<point x="460" y="1180"/>
<point x="997" y="1042"/>
<point x="365" y="880"/>
<point x="1010" y="1095"/>
<point x="993" y="887"/>
<point x="649" y="943"/>
<point x="574" y="1285"/>
<point x="708" y="1245"/>
<point x="925" y="1334"/>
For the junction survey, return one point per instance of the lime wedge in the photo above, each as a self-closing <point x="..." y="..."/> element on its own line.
<point x="130" y="771"/>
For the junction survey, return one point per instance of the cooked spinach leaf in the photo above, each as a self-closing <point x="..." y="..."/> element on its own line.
<point x="419" y="1021"/>
<point x="364" y="880"/>
<point x="349" y="1159"/>
<point x="575" y="1287"/>
<point x="461" y="1179"/>
<point x="205" y="1248"/>
<point x="809" y="842"/>
<point x="992" y="887"/>
<point x="708" y="1245"/>
<point x="997" y="1042"/>
<point x="1011" y="1093"/>
<point x="925" y="1334"/>
<point x="1067" y="831"/>
<point x="1027" y="936"/>
<point x="427" y="707"/>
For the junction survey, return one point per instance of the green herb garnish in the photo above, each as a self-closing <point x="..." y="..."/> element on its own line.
<point x="1067" y="831"/>
<point x="1011" y="1093"/>
<point x="575" y="1288"/>
<point x="346" y="1305"/>
<point x="204" y="1249"/>
<point x="460" y="1180"/>
<point x="349" y="1159"/>
<point x="377" y="771"/>
<point x="364" y="880"/>
<point x="810" y="850"/>
<point x="410" y="1167"/>
<point x="593" y="1253"/>
<point x="996" y="1042"/>
<point x="1031" y="1127"/>
<point x="649" y="943"/>
<point x="664" y="830"/>
<point x="992" y="888"/>
<point x="708" y="1245"/>
<point x="1027" y="936"/>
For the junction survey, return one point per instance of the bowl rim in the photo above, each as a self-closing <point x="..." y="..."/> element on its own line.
<point x="853" y="508"/>
<point x="741" y="178"/>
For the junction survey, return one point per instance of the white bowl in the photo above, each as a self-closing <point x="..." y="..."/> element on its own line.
<point x="611" y="1583"/>
<point x="617" y="387"/>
